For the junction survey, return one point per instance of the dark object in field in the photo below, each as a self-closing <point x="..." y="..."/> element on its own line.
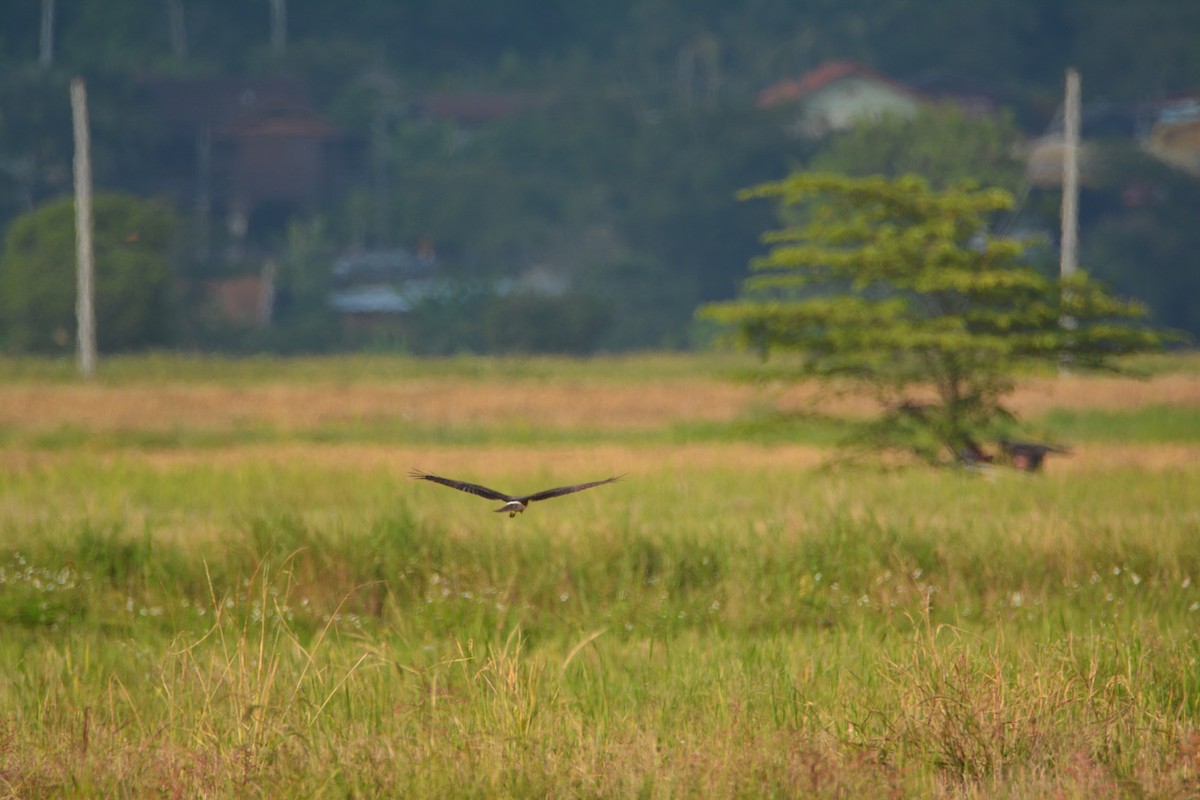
<point x="972" y="456"/>
<point x="513" y="504"/>
<point x="1028" y="456"/>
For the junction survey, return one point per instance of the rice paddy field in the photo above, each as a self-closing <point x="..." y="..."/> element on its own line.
<point x="217" y="580"/>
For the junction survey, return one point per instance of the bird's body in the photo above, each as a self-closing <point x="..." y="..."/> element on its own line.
<point x="1028" y="456"/>
<point x="513" y="504"/>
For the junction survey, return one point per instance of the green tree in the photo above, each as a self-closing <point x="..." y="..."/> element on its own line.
<point x="941" y="143"/>
<point x="133" y="240"/>
<point x="900" y="289"/>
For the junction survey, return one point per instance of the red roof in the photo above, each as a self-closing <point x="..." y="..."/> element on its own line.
<point x="826" y="74"/>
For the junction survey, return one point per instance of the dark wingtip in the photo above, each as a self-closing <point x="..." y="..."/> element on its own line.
<point x="416" y="473"/>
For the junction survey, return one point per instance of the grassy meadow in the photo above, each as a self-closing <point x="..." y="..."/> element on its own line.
<point x="216" y="580"/>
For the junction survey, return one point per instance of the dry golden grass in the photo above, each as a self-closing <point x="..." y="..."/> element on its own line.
<point x="1036" y="395"/>
<point x="593" y="404"/>
<point x="1108" y="393"/>
<point x="449" y="401"/>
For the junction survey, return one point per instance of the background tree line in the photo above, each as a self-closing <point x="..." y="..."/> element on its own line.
<point x="623" y="183"/>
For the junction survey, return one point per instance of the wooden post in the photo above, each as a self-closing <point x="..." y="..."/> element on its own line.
<point x="1070" y="181"/>
<point x="1070" y="196"/>
<point x="85" y="317"/>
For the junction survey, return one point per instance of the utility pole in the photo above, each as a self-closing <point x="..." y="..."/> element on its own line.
<point x="85" y="316"/>
<point x="1070" y="181"/>
<point x="1070" y="194"/>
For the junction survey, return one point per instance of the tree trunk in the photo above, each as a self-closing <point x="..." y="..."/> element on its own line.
<point x="278" y="27"/>
<point x="46" y="38"/>
<point x="266" y="298"/>
<point x="203" y="194"/>
<point x="177" y="24"/>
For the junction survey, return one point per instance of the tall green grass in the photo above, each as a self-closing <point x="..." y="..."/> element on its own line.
<point x="1153" y="424"/>
<point x="184" y="614"/>
<point x="317" y="631"/>
<point x="344" y="368"/>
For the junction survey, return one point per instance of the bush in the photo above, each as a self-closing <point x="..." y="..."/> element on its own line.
<point x="530" y="323"/>
<point x="132" y="242"/>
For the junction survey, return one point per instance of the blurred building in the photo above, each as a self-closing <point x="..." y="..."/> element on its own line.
<point x="249" y="151"/>
<point x="838" y="94"/>
<point x="1174" y="134"/>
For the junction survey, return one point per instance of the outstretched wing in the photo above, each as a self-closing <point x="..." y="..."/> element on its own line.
<point x="561" y="490"/>
<point x="462" y="486"/>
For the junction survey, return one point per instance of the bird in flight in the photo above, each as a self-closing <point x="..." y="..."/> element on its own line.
<point x="513" y="504"/>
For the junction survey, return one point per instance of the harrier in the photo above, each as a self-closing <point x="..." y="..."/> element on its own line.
<point x="1028" y="456"/>
<point x="513" y="504"/>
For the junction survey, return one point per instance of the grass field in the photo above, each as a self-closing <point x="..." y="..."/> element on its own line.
<point x="216" y="580"/>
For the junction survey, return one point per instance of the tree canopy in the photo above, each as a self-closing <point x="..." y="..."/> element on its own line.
<point x="901" y="289"/>
<point x="132" y="240"/>
<point x="941" y="143"/>
<point x="644" y="127"/>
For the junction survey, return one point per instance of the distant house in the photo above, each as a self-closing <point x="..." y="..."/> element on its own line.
<point x="280" y="156"/>
<point x="250" y="149"/>
<point x="1044" y="161"/>
<point x="1174" y="135"/>
<point x="244" y="300"/>
<point x="1098" y="120"/>
<point x="837" y="94"/>
<point x="374" y="288"/>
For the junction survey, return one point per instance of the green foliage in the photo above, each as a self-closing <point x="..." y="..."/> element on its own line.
<point x="649" y="303"/>
<point x="940" y="143"/>
<point x="35" y="140"/>
<point x="590" y="186"/>
<point x="1139" y="232"/>
<point x="305" y="278"/>
<point x="648" y="127"/>
<point x="532" y="323"/>
<point x="901" y="289"/>
<point x="132" y="243"/>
